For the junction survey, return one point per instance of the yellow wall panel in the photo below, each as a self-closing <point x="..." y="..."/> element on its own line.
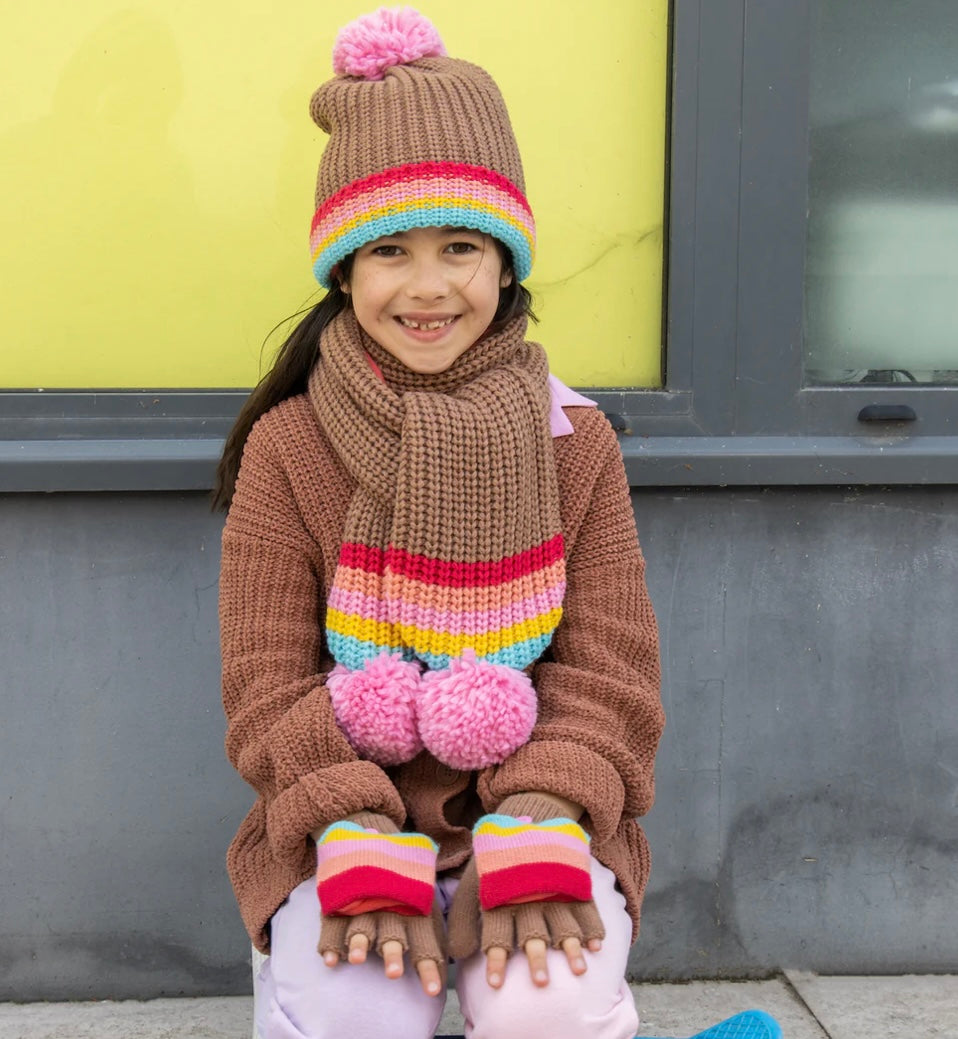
<point x="158" y="165"/>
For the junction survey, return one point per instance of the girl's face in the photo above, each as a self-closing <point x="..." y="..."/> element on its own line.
<point x="426" y="295"/>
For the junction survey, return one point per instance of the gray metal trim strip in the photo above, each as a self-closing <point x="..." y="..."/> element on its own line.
<point x="188" y="464"/>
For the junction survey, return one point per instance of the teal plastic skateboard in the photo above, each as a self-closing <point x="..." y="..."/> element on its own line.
<point x="753" y="1024"/>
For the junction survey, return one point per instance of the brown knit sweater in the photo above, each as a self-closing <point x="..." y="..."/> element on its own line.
<point x="600" y="716"/>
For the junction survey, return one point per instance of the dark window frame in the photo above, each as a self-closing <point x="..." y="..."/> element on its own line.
<point x="733" y="410"/>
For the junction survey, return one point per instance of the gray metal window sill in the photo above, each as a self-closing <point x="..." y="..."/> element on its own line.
<point x="188" y="463"/>
<point x="171" y="441"/>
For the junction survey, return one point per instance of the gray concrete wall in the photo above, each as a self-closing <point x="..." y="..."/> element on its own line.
<point x="807" y="810"/>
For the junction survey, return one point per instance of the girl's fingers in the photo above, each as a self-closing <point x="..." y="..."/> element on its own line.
<point x="594" y="945"/>
<point x="392" y="952"/>
<point x="497" y="927"/>
<point x="496" y="965"/>
<point x="360" y="932"/>
<point x="428" y="971"/>
<point x="535" y="950"/>
<point x="332" y="945"/>
<point x="358" y="947"/>
<point x="572" y="948"/>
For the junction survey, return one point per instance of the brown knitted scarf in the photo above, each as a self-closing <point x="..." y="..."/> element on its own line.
<point x="452" y="552"/>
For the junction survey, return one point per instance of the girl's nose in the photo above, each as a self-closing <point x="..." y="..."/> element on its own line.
<point x="428" y="281"/>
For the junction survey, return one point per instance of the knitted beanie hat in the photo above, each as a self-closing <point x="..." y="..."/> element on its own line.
<point x="417" y="139"/>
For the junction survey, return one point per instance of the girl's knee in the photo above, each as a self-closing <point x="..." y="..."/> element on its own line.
<point x="356" y="1001"/>
<point x="554" y="1014"/>
<point x="363" y="1020"/>
<point x="301" y="998"/>
<point x="567" y="1008"/>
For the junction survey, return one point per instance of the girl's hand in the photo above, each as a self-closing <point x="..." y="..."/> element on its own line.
<point x="533" y="927"/>
<point x="391" y="936"/>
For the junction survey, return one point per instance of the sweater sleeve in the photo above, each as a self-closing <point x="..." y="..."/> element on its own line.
<point x="600" y="714"/>
<point x="282" y="735"/>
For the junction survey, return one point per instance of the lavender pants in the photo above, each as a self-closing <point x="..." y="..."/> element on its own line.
<point x="298" y="997"/>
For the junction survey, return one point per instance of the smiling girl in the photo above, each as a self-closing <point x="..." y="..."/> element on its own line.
<point x="440" y="663"/>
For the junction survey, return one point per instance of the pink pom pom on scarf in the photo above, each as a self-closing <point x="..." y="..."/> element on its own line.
<point x="376" y="708"/>
<point x="475" y="714"/>
<point x="368" y="46"/>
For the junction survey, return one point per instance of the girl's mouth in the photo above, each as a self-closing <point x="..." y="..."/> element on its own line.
<point x="425" y="326"/>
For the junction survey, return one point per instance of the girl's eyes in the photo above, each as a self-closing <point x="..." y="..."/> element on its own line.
<point x="462" y="248"/>
<point x="457" y="248"/>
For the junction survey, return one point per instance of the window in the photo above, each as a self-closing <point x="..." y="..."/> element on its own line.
<point x="755" y="393"/>
<point x="881" y="269"/>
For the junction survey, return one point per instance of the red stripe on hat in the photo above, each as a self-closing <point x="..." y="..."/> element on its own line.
<point x="421" y="171"/>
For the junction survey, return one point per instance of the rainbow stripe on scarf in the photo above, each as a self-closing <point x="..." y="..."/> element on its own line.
<point x="425" y="194"/>
<point x="431" y="609"/>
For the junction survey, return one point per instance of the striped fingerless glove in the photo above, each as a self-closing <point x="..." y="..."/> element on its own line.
<point x="362" y="871"/>
<point x="521" y="861"/>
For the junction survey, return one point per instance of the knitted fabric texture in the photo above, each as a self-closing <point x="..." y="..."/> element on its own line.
<point x="417" y="139"/>
<point x="521" y="861"/>
<point x="361" y="871"/>
<point x="597" y="687"/>
<point x="452" y="555"/>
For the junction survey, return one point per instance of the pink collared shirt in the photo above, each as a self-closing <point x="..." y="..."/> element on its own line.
<point x="563" y="397"/>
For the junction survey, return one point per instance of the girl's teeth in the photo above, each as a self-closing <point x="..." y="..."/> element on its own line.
<point x="428" y="325"/>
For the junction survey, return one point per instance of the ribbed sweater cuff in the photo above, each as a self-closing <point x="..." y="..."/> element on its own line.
<point x="536" y="805"/>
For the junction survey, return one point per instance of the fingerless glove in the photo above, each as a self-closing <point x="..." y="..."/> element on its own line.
<point x="361" y="870"/>
<point x="521" y="861"/>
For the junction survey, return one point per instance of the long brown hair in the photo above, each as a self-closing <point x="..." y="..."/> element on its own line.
<point x="296" y="357"/>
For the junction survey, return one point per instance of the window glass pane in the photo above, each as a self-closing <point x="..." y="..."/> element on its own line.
<point x="881" y="280"/>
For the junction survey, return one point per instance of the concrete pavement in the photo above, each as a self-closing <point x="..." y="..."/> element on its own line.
<point x="807" y="1006"/>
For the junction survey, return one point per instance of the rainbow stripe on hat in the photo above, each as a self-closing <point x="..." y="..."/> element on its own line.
<point x="425" y="194"/>
<point x="432" y="610"/>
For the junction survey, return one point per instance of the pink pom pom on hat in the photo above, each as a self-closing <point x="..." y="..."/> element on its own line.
<point x="391" y="36"/>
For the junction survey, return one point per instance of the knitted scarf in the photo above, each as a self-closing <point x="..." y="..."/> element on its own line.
<point x="451" y="575"/>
